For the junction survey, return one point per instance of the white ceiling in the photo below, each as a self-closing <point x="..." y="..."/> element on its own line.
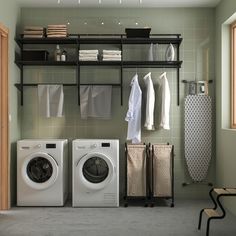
<point x="119" y="3"/>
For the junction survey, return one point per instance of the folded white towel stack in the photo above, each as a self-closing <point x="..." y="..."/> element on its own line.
<point x="57" y="31"/>
<point x="111" y="55"/>
<point x="88" y="55"/>
<point x="33" y="32"/>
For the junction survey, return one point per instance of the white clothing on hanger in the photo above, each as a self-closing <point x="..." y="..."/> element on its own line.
<point x="133" y="115"/>
<point x="165" y="107"/>
<point x="150" y="102"/>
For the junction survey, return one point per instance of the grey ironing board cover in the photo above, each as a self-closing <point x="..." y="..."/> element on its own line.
<point x="198" y="135"/>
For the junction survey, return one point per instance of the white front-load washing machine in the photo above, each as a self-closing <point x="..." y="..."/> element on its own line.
<point x="95" y="174"/>
<point x="42" y="172"/>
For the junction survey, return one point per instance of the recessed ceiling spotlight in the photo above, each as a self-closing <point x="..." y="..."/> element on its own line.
<point x="140" y="1"/>
<point x="68" y="23"/>
<point x="78" y="1"/>
<point x="136" y="23"/>
<point x="119" y="23"/>
<point x="85" y="23"/>
<point x="102" y="23"/>
<point x="120" y="1"/>
<point x="99" y="1"/>
<point x="58" y="1"/>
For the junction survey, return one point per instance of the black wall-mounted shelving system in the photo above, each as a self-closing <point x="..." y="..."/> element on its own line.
<point x="114" y="39"/>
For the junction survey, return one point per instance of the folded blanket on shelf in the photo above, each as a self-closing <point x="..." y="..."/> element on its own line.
<point x="111" y="52"/>
<point x="112" y="56"/>
<point x="88" y="51"/>
<point x="111" y="59"/>
<point x="88" y="59"/>
<point x="88" y="54"/>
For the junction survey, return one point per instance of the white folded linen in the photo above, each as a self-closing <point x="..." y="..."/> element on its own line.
<point x="88" y="59"/>
<point x="111" y="59"/>
<point x="88" y="54"/>
<point x="111" y="56"/>
<point x="111" y="52"/>
<point x="88" y="51"/>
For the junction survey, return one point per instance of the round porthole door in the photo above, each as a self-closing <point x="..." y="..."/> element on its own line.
<point x="39" y="170"/>
<point x="95" y="170"/>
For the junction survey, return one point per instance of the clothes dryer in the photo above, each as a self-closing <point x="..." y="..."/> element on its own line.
<point x="42" y="172"/>
<point x="95" y="174"/>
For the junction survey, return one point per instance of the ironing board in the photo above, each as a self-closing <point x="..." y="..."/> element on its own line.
<point x="198" y="135"/>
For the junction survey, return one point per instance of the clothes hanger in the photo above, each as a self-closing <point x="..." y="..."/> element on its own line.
<point x="163" y="74"/>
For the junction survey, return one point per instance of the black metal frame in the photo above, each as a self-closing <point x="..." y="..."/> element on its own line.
<point x="217" y="203"/>
<point x="154" y="199"/>
<point x="135" y="199"/>
<point x="119" y="39"/>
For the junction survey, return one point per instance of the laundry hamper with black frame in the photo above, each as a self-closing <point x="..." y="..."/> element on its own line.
<point x="162" y="165"/>
<point x="136" y="174"/>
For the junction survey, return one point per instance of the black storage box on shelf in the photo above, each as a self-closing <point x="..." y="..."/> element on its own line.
<point x="137" y="32"/>
<point x="35" y="55"/>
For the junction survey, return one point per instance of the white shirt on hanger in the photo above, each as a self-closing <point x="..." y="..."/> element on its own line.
<point x="165" y="107"/>
<point x="150" y="102"/>
<point x="133" y="115"/>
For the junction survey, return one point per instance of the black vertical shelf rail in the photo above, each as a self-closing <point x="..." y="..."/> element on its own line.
<point x="21" y="77"/>
<point x="121" y="72"/>
<point x="78" y="69"/>
<point x="77" y="40"/>
<point x="178" y="76"/>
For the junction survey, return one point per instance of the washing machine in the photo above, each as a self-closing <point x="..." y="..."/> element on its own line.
<point x="95" y="172"/>
<point x="42" y="172"/>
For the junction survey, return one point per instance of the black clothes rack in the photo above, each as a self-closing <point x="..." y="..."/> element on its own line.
<point x="149" y="199"/>
<point x="115" y="39"/>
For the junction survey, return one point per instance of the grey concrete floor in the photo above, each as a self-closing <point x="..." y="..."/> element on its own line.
<point x="181" y="220"/>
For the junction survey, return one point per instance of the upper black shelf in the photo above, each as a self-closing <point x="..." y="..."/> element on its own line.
<point x="46" y="63"/>
<point x="103" y="39"/>
<point x="68" y="40"/>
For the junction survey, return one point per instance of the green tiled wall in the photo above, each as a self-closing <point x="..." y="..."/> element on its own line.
<point x="197" y="29"/>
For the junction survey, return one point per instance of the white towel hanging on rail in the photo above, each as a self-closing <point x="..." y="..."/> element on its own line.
<point x="95" y="102"/>
<point x="51" y="100"/>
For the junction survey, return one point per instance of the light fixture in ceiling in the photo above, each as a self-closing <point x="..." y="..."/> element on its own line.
<point x="140" y="1"/>
<point x="78" y="1"/>
<point x="99" y="1"/>
<point x="58" y="1"/>
<point x="120" y="1"/>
